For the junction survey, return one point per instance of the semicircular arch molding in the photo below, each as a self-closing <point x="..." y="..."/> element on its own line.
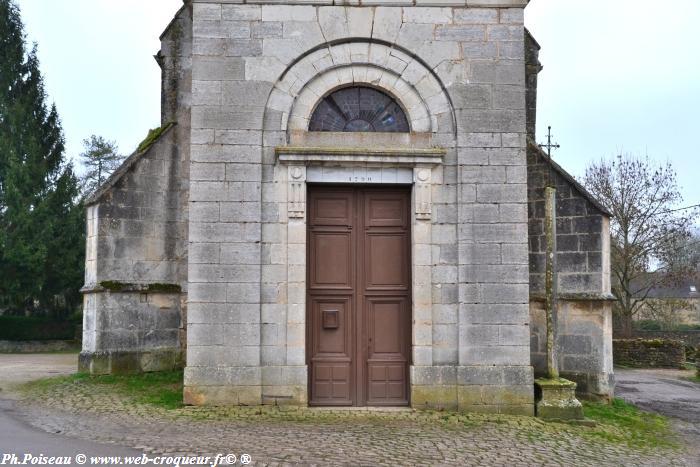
<point x="316" y="74"/>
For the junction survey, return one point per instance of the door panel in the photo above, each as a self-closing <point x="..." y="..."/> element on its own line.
<point x="331" y="384"/>
<point x="333" y="208"/>
<point x="388" y="349"/>
<point x="386" y="209"/>
<point x="332" y="326"/>
<point x="333" y="261"/>
<point x="358" y="295"/>
<point x="385" y="261"/>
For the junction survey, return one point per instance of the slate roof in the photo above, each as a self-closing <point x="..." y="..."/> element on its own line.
<point x="687" y="288"/>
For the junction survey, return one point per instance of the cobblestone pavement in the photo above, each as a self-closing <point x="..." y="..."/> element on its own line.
<point x="328" y="437"/>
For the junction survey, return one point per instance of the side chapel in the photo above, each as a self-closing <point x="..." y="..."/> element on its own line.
<point x="344" y="206"/>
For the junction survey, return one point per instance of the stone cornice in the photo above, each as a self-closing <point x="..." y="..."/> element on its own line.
<point x="131" y="287"/>
<point x="577" y="297"/>
<point x="367" y="3"/>
<point x="408" y="157"/>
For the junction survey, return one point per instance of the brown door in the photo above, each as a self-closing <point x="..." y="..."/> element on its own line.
<point x="358" y="295"/>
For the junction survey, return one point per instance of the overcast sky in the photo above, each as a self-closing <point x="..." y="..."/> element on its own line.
<point x="620" y="75"/>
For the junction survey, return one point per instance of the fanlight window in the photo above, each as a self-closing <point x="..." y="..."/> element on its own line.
<point x="358" y="109"/>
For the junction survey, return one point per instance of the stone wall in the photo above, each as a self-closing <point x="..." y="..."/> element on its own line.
<point x="688" y="337"/>
<point x="584" y="343"/>
<point x="649" y="353"/>
<point x="136" y="248"/>
<point x="459" y="73"/>
<point x="584" y="314"/>
<point x="532" y="69"/>
<point x="38" y="346"/>
<point x="583" y="258"/>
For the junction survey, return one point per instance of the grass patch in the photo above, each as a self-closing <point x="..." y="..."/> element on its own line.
<point x="621" y="422"/>
<point x="618" y="423"/>
<point x="160" y="389"/>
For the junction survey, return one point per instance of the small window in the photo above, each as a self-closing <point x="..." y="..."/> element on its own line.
<point x="358" y="108"/>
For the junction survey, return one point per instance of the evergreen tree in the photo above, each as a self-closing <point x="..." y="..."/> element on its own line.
<point x="41" y="227"/>
<point x="100" y="158"/>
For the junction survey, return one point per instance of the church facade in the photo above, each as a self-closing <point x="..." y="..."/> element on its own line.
<point x="344" y="206"/>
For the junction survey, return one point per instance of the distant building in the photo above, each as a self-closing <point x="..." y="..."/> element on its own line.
<point x="675" y="304"/>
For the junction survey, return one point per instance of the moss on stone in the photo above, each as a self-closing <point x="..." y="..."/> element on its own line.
<point x="162" y="287"/>
<point x="156" y="287"/>
<point x="152" y="136"/>
<point x="555" y="382"/>
<point x="115" y="286"/>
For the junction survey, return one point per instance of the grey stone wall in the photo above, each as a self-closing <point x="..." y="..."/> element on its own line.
<point x="584" y="322"/>
<point x="136" y="247"/>
<point x="584" y="344"/>
<point x="691" y="338"/>
<point x="532" y="68"/>
<point x="649" y="353"/>
<point x="582" y="232"/>
<point x="459" y="72"/>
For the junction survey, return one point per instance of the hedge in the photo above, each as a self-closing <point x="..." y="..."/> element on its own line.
<point x="29" y="328"/>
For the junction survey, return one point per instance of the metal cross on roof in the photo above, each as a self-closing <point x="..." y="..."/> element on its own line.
<point x="549" y="144"/>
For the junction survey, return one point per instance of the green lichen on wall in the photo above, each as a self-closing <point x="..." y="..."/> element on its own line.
<point x="159" y="287"/>
<point x="152" y="137"/>
<point x="115" y="286"/>
<point x="156" y="287"/>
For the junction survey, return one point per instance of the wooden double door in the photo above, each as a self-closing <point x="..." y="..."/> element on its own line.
<point x="358" y="295"/>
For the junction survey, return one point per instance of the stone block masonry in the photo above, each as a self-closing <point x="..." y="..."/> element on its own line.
<point x="239" y="194"/>
<point x="218" y="208"/>
<point x="584" y="315"/>
<point x="583" y="245"/>
<point x="135" y="269"/>
<point x="649" y="353"/>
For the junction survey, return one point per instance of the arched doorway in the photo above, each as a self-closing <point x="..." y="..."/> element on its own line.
<point x="359" y="269"/>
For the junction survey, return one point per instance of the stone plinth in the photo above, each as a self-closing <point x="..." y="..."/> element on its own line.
<point x="557" y="400"/>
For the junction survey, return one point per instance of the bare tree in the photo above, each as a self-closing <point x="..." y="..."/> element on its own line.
<point x="668" y="312"/>
<point x="100" y="158"/>
<point x="646" y="229"/>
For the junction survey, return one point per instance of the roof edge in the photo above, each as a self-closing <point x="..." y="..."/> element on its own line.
<point x="129" y="162"/>
<point x="569" y="178"/>
<point x="172" y="21"/>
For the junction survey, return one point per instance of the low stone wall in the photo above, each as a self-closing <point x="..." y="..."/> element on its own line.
<point x="689" y="337"/>
<point x="649" y="353"/>
<point x="37" y="346"/>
